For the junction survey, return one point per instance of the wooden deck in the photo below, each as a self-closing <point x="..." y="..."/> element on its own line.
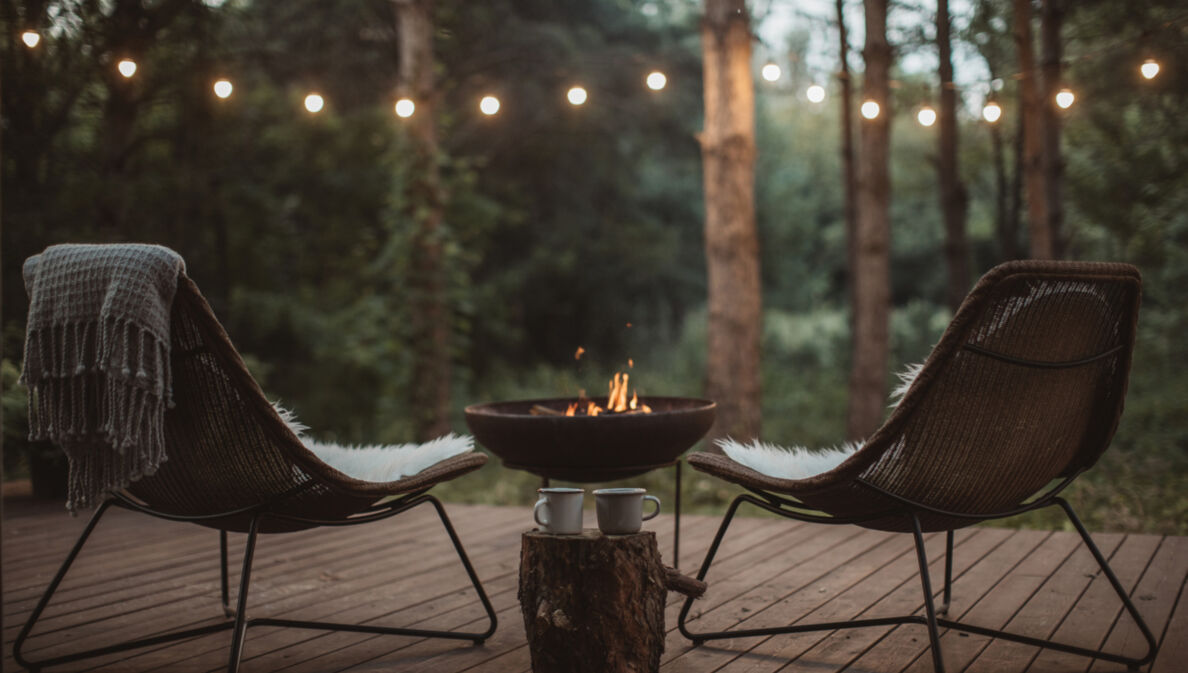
<point x="153" y="575"/>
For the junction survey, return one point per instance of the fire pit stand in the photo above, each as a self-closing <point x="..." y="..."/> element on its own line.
<point x="599" y="448"/>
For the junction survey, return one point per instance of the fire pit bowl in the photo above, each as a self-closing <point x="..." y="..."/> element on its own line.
<point x="590" y="448"/>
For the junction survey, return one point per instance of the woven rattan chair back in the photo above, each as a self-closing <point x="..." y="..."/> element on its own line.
<point x="227" y="447"/>
<point x="1025" y="387"/>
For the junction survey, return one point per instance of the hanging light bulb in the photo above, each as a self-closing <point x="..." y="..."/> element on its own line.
<point x="926" y="116"/>
<point x="1065" y="98"/>
<point x="405" y="108"/>
<point x="223" y="88"/>
<point x="576" y="95"/>
<point x="314" y="103"/>
<point x="31" y="38"/>
<point x="770" y="71"/>
<point x="815" y="93"/>
<point x="869" y="109"/>
<point x="489" y="105"/>
<point x="1149" y="68"/>
<point x="127" y="67"/>
<point x="991" y="112"/>
<point x="656" y="80"/>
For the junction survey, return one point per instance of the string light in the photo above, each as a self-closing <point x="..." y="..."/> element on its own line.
<point x="656" y="80"/>
<point x="31" y="38"/>
<point x="127" y="67"/>
<point x="1065" y="98"/>
<point x="314" y="103"/>
<point x="223" y="88"/>
<point x="576" y="95"/>
<point x="991" y="112"/>
<point x="815" y="93"/>
<point x="870" y="109"/>
<point x="770" y="71"/>
<point x="1149" y="68"/>
<point x="926" y="116"/>
<point x="489" y="105"/>
<point x="405" y="108"/>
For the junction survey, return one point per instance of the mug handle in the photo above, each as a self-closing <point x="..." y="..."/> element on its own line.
<point x="656" y="511"/>
<point x="536" y="512"/>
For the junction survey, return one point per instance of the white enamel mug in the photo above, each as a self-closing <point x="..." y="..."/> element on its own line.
<point x="620" y="510"/>
<point x="559" y="510"/>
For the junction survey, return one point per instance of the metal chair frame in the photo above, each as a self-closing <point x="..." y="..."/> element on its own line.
<point x="792" y="509"/>
<point x="237" y="621"/>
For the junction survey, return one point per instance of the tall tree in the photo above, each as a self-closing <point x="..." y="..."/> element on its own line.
<point x="731" y="239"/>
<point x="1051" y="20"/>
<point x="953" y="198"/>
<point x="1039" y="233"/>
<point x="872" y="272"/>
<point x="849" y="186"/>
<point x="985" y="32"/>
<point x="425" y="199"/>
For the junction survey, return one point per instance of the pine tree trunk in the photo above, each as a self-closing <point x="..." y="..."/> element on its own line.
<point x="849" y="181"/>
<point x="1015" y="213"/>
<point x="1004" y="227"/>
<point x="1039" y="233"/>
<point x="431" y="316"/>
<point x="872" y="273"/>
<point x="1051" y="20"/>
<point x="953" y="198"/>
<point x="731" y="241"/>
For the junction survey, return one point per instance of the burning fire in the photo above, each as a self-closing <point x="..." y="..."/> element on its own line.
<point x="616" y="398"/>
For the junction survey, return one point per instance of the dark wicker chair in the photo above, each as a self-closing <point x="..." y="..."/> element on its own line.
<point x="236" y="467"/>
<point x="1022" y="393"/>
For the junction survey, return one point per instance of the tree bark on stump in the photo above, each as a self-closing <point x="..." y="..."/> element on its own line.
<point x="593" y="602"/>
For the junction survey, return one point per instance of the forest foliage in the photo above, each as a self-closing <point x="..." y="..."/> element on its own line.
<point x="566" y="226"/>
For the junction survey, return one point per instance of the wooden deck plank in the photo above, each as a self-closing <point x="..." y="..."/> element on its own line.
<point x="1155" y="597"/>
<point x="190" y="569"/>
<point x="422" y="655"/>
<point x="905" y="643"/>
<point x="901" y="596"/>
<point x="204" y="595"/>
<point x="769" y="571"/>
<point x="1095" y="613"/>
<point x="359" y="594"/>
<point x="1173" y="648"/>
<point x="793" y="594"/>
<point x="356" y="650"/>
<point x="1046" y="611"/>
<point x="995" y="605"/>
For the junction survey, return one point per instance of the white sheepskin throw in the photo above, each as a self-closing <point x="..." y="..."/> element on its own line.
<point x="799" y="462"/>
<point x="379" y="463"/>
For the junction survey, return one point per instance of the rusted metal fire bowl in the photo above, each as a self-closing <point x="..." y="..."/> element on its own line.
<point x="590" y="448"/>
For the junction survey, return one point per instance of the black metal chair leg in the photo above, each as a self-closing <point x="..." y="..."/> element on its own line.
<point x="474" y="580"/>
<point x="227" y="611"/>
<point x="709" y="558"/>
<point x="478" y="637"/>
<point x="239" y="630"/>
<point x="938" y="663"/>
<point x="948" y="597"/>
<point x="53" y="586"/>
<point x="1131" y="664"/>
<point x="676" y="523"/>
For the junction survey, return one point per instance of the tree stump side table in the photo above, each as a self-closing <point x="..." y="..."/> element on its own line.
<point x="593" y="602"/>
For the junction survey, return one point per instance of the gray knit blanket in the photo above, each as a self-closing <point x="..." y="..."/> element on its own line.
<point x="97" y="360"/>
